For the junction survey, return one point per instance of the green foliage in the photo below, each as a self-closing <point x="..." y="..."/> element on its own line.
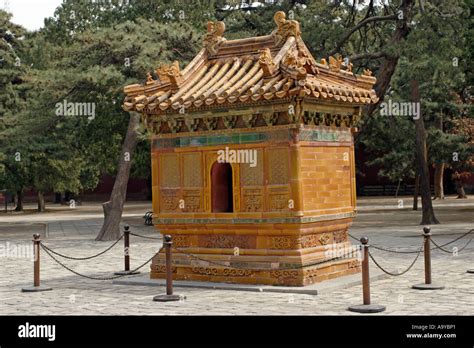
<point x="88" y="51"/>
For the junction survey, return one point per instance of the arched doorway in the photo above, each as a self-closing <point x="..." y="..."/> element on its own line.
<point x="221" y="188"/>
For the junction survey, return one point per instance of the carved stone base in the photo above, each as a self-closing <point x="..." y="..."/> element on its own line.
<point x="286" y="255"/>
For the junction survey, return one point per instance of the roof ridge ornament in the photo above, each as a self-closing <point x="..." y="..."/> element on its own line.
<point x="285" y="28"/>
<point x="266" y="62"/>
<point x="214" y="36"/>
<point x="170" y="74"/>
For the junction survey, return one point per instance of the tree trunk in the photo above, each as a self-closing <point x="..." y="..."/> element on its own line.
<point x="438" y="181"/>
<point x="114" y="207"/>
<point x="439" y="167"/>
<point x="19" y="201"/>
<point x="459" y="185"/>
<point x="398" y="188"/>
<point x="41" y="205"/>
<point x="390" y="63"/>
<point x="428" y="216"/>
<point x="417" y="192"/>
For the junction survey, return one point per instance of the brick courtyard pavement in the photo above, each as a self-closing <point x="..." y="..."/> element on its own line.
<point x="72" y="233"/>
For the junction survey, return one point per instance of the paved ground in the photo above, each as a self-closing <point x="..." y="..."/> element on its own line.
<point x="71" y="231"/>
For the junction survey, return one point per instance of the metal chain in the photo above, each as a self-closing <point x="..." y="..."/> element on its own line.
<point x="146" y="237"/>
<point x="82" y="258"/>
<point x="383" y="249"/>
<point x="393" y="251"/>
<point x="450" y="251"/>
<point x="414" y="252"/>
<point x="94" y="278"/>
<point x="396" y="274"/>
<point x="262" y="269"/>
<point x="455" y="240"/>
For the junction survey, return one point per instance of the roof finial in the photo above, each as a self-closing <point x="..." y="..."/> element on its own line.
<point x="213" y="37"/>
<point x="285" y="28"/>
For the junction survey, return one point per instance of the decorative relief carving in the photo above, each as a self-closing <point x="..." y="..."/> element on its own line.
<point x="252" y="200"/>
<point x="211" y="122"/>
<point x="174" y="124"/>
<point x="226" y="241"/>
<point x="354" y="264"/>
<point x="191" y="123"/>
<point x="278" y="166"/>
<point x="162" y="268"/>
<point x="311" y="274"/>
<point x="309" y="241"/>
<point x="192" y="170"/>
<point x="229" y="121"/>
<point x="252" y="176"/>
<point x="340" y="236"/>
<point x="283" y="242"/>
<point x="169" y="200"/>
<point x="279" y="201"/>
<point x="213" y="37"/>
<point x="249" y="120"/>
<point x="284" y="274"/>
<point x="170" y="173"/>
<point x="324" y="238"/>
<point x="181" y="241"/>
<point x="231" y="272"/>
<point x="192" y="200"/>
<point x="270" y="118"/>
<point x="279" y="198"/>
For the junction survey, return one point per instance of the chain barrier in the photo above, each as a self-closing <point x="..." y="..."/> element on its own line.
<point x="51" y="254"/>
<point x="264" y="269"/>
<point x="414" y="252"/>
<point x="455" y="240"/>
<point x="146" y="237"/>
<point x="89" y="277"/>
<point x="400" y="273"/>
<point x="450" y="251"/>
<point x="82" y="258"/>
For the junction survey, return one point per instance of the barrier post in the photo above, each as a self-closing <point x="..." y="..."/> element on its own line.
<point x="36" y="268"/>
<point x="126" y="252"/>
<point x="366" y="307"/>
<point x="169" y="274"/>
<point x="427" y="285"/>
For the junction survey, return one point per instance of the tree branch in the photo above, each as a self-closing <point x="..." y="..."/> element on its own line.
<point x="358" y="26"/>
<point x="369" y="55"/>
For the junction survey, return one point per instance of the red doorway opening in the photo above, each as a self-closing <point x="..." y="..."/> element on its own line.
<point x="221" y="188"/>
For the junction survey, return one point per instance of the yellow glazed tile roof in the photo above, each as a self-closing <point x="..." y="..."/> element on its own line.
<point x="235" y="72"/>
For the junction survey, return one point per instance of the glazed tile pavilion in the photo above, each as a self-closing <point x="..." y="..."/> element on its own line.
<point x="269" y="223"/>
